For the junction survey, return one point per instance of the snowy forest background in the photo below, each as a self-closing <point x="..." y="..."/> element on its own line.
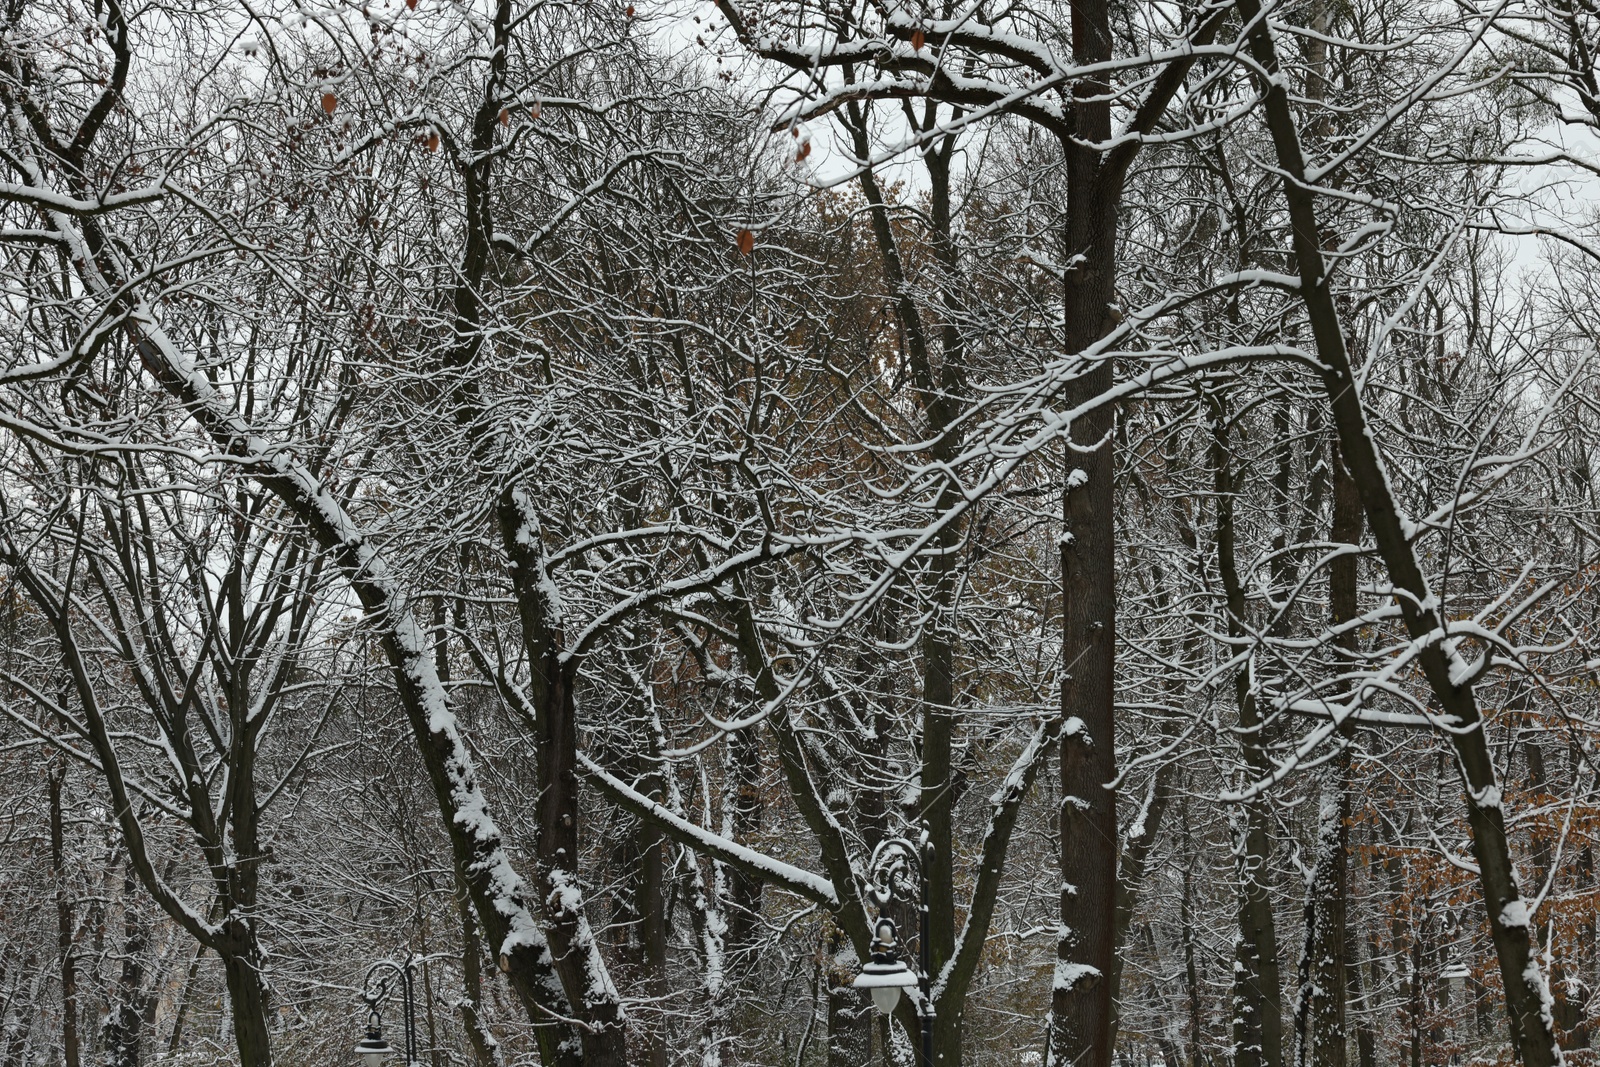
<point x="553" y="486"/>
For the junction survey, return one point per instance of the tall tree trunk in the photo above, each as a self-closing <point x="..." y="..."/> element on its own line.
<point x="1567" y="1012"/>
<point x="14" y="1038"/>
<point x="706" y="916"/>
<point x="936" y="804"/>
<point x="1258" y="1013"/>
<point x="1081" y="998"/>
<point x="1142" y="838"/>
<point x="572" y="943"/>
<point x="849" y="1013"/>
<point x="938" y="390"/>
<point x="1191" y="973"/>
<point x="185" y="995"/>
<point x="64" y="928"/>
<point x="742" y="811"/>
<point x="1582" y="1034"/>
<point x="1329" y="891"/>
<point x="124" y="1023"/>
<point x="653" y="926"/>
<point x="1366" y="1040"/>
<point x="485" y="1048"/>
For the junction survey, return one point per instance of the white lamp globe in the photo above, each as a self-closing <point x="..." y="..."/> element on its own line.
<point x="884" y="979"/>
<point x="886" y="975"/>
<point x="372" y="1050"/>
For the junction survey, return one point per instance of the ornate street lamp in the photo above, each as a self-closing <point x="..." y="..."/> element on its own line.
<point x="382" y="979"/>
<point x="886" y="975"/>
<point x="896" y="866"/>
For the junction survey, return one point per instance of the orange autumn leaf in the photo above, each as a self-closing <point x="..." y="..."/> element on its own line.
<point x="918" y="40"/>
<point x="747" y="241"/>
<point x="433" y="141"/>
<point x="505" y="116"/>
<point x="329" y="102"/>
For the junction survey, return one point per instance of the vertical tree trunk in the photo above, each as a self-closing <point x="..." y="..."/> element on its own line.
<point x="938" y="389"/>
<point x="185" y="994"/>
<point x="1191" y="973"/>
<point x="1330" y="883"/>
<point x="849" y="1014"/>
<point x="742" y="810"/>
<point x="424" y="996"/>
<point x="1582" y="1033"/>
<point x="125" y="1017"/>
<point x="1081" y="996"/>
<point x="604" y="1040"/>
<point x="1417" y="1002"/>
<point x="14" y="1039"/>
<point x="1258" y="1013"/>
<point x="1366" y="1040"/>
<point x="64" y="928"/>
<point x="247" y="997"/>
<point x="484" y="1045"/>
<point x="1567" y="1012"/>
<point x="653" y="926"/>
<point x="937" y="802"/>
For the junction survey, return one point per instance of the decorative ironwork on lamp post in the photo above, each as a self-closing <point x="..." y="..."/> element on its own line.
<point x="382" y="979"/>
<point x="897" y="866"/>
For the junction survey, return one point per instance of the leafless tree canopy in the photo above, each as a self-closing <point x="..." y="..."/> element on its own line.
<point x="601" y="502"/>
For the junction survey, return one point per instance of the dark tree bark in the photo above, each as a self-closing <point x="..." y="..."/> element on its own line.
<point x="1329" y="890"/>
<point x="1082" y="1031"/>
<point x="14" y="1038"/>
<point x="124" y="1025"/>
<point x="1258" y="1011"/>
<point x="484" y="1046"/>
<point x="743" y="811"/>
<point x="1191" y="973"/>
<point x="65" y="928"/>
<point x="1567" y="1009"/>
<point x="653" y="922"/>
<point x="849" y="1012"/>
<point x="1081" y="998"/>
<point x="1366" y="1040"/>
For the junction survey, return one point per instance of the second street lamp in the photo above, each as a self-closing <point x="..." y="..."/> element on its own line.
<point x="373" y="1049"/>
<point x="382" y="979"/>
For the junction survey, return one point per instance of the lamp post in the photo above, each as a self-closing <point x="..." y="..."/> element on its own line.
<point x="896" y="865"/>
<point x="382" y="979"/>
